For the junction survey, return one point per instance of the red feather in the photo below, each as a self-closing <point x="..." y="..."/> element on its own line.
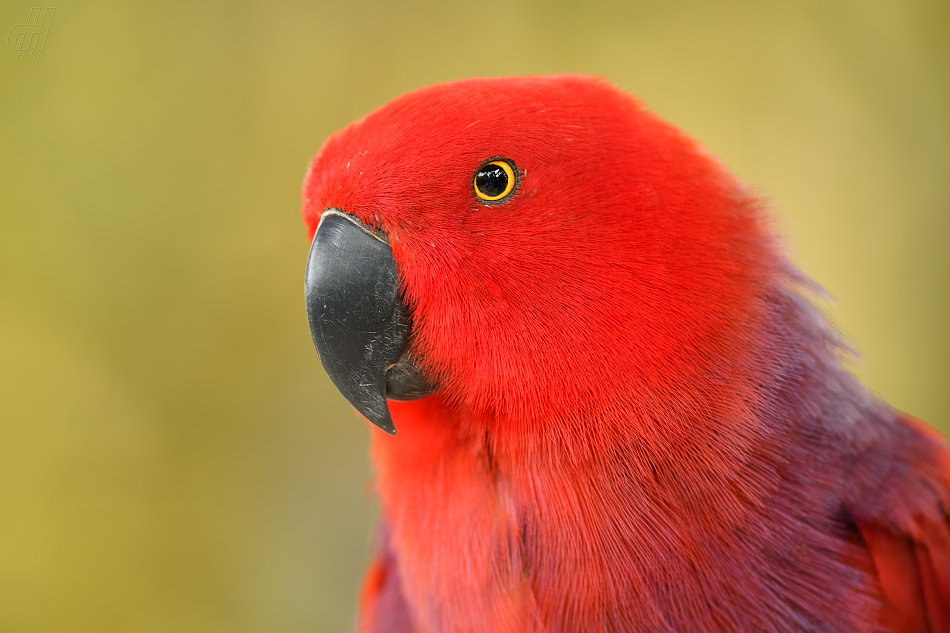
<point x="642" y="424"/>
<point x="909" y="538"/>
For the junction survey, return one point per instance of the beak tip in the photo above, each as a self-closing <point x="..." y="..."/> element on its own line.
<point x="385" y="424"/>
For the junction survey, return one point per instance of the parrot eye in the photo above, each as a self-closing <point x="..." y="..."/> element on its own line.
<point x="495" y="180"/>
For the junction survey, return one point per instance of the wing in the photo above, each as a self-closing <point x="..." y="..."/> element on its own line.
<point x="383" y="608"/>
<point x="909" y="537"/>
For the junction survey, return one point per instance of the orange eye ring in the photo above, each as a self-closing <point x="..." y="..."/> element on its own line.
<point x="494" y="180"/>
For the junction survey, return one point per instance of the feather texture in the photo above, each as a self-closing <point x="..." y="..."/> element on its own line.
<point x="643" y="424"/>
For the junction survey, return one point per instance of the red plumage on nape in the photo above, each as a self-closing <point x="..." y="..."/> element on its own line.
<point x="642" y="424"/>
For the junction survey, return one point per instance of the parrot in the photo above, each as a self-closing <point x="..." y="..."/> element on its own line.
<point x="602" y="397"/>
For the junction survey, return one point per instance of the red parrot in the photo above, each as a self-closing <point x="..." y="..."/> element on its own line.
<point x="617" y="408"/>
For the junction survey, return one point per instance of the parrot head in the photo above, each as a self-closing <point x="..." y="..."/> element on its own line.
<point x="531" y="249"/>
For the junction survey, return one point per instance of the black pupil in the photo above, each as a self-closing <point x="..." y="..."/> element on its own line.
<point x="491" y="180"/>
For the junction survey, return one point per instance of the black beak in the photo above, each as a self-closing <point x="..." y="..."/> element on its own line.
<point x="358" y="322"/>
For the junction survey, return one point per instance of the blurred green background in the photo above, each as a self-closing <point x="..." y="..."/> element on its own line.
<point x="172" y="456"/>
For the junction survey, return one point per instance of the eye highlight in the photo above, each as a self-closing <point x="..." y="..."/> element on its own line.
<point x="495" y="180"/>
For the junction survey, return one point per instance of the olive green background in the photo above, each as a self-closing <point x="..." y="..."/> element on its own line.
<point x="172" y="456"/>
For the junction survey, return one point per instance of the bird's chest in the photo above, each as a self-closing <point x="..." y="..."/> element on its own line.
<point x="457" y="535"/>
<point x="483" y="546"/>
